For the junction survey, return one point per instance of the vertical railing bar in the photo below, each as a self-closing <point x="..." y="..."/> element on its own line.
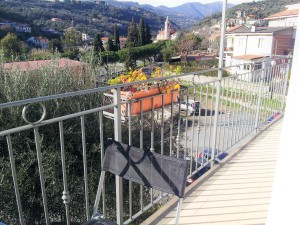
<point x="240" y="130"/>
<point x="285" y="86"/>
<point x="274" y="75"/>
<point x="179" y="125"/>
<point x="171" y="125"/>
<point x="259" y="98"/>
<point x="198" y="127"/>
<point x="258" y="93"/>
<point x="247" y="106"/>
<point x="66" y="195"/>
<point x="102" y="158"/>
<point x="186" y="123"/>
<point x="238" y="121"/>
<point x="193" y="128"/>
<point x="86" y="187"/>
<point x="278" y="91"/>
<point x="252" y="101"/>
<point x="211" y="125"/>
<point x="266" y="107"/>
<point x="15" y="180"/>
<point x="118" y="137"/>
<point x="230" y="116"/>
<point x="234" y="117"/>
<point x="221" y="120"/>
<point x="152" y="125"/>
<point x="205" y="124"/>
<point x="162" y="129"/>
<point x="226" y="122"/>
<point x="281" y="88"/>
<point x="152" y="139"/>
<point x="141" y="147"/>
<point x="130" y="143"/>
<point x="247" y="99"/>
<point x="41" y="172"/>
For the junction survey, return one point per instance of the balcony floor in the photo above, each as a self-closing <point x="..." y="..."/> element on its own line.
<point x="239" y="192"/>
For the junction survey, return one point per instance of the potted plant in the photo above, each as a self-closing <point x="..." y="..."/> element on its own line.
<point x="163" y="91"/>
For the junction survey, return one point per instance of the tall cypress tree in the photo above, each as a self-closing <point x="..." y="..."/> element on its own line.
<point x="148" y="35"/>
<point x="141" y="32"/>
<point x="116" y="38"/>
<point x="110" y="45"/>
<point x="132" y="34"/>
<point x="97" y="44"/>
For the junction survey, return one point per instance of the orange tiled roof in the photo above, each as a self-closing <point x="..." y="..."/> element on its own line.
<point x="285" y="13"/>
<point x="233" y="28"/>
<point x="249" y="57"/>
<point x="34" y="65"/>
<point x="215" y="36"/>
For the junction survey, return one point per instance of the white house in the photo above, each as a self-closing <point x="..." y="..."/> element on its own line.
<point x="250" y="45"/>
<point x="22" y="28"/>
<point x="286" y="18"/>
<point x="40" y="42"/>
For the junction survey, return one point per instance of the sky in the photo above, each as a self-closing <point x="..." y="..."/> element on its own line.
<point x="172" y="3"/>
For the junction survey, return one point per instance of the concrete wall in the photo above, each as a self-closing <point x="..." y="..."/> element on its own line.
<point x="245" y="45"/>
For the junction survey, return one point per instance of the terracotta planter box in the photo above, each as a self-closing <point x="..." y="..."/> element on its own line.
<point x="146" y="98"/>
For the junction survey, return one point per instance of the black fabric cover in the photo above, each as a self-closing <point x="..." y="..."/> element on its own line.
<point x="99" y="221"/>
<point x="164" y="173"/>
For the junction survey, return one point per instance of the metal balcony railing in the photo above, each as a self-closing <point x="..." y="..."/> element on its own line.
<point x="53" y="165"/>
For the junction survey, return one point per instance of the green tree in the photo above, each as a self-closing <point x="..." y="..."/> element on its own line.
<point x="72" y="39"/>
<point x="11" y="46"/>
<point x="116" y="38"/>
<point x="97" y="49"/>
<point x="187" y="42"/>
<point x="55" y="45"/>
<point x="168" y="51"/>
<point x="110" y="45"/>
<point x="132" y="35"/>
<point x="98" y="44"/>
<point x="141" y="32"/>
<point x="148" y="35"/>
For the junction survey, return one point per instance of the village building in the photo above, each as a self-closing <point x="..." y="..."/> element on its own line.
<point x="40" y="42"/>
<point x="249" y="45"/>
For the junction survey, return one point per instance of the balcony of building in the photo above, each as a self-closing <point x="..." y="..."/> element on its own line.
<point x="52" y="159"/>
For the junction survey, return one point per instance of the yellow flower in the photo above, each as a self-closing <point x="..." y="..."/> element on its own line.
<point x="177" y="87"/>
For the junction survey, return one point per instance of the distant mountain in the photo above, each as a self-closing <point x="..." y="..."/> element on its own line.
<point x="184" y="15"/>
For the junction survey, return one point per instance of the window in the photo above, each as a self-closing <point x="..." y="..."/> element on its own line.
<point x="247" y="67"/>
<point x="260" y="42"/>
<point x="257" y="66"/>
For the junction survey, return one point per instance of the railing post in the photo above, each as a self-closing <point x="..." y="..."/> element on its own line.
<point x="118" y="137"/>
<point x="261" y="80"/>
<point x="220" y="71"/>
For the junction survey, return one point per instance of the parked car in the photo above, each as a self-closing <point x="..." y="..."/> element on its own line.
<point x="191" y="106"/>
<point x="206" y="155"/>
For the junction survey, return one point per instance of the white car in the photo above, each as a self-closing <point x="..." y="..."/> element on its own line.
<point x="191" y="106"/>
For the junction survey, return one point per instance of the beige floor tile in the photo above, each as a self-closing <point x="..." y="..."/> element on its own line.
<point x="239" y="193"/>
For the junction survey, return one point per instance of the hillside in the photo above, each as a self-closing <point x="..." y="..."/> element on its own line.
<point x="87" y="17"/>
<point x="184" y="15"/>
<point x="261" y="9"/>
